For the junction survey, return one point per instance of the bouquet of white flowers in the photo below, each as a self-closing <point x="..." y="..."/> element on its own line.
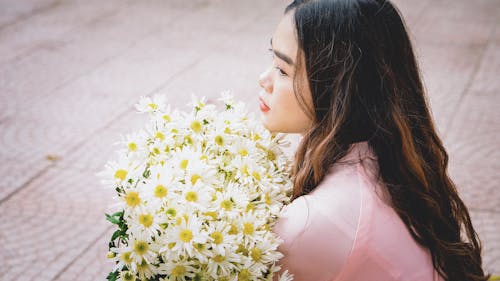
<point x="197" y="195"/>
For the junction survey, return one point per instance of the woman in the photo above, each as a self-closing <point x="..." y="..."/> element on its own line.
<point x="372" y="199"/>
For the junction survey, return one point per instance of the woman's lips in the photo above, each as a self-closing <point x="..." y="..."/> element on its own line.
<point x="263" y="106"/>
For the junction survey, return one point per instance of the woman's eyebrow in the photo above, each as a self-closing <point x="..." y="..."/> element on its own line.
<point x="282" y="56"/>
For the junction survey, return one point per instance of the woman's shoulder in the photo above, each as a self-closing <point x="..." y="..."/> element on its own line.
<point x="335" y="202"/>
<point x="309" y="223"/>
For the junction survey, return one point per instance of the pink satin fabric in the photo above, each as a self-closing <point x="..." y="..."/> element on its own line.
<point x="346" y="229"/>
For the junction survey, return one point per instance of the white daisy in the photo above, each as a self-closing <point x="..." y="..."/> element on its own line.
<point x="146" y="222"/>
<point x="177" y="270"/>
<point x="151" y="104"/>
<point x="185" y="234"/>
<point x="197" y="195"/>
<point x="220" y="240"/>
<point x="222" y="264"/>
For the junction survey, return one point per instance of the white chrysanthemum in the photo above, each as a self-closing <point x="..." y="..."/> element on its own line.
<point x="184" y="159"/>
<point x="198" y="170"/>
<point x="146" y="222"/>
<point x="122" y="257"/>
<point x="120" y="172"/>
<point x="185" y="234"/>
<point x="126" y="276"/>
<point x="154" y="104"/>
<point x="252" y="226"/>
<point x="222" y="264"/>
<point x="145" y="270"/>
<point x="197" y="195"/>
<point x="134" y="146"/>
<point x="249" y="270"/>
<point x="157" y="187"/>
<point x="177" y="270"/>
<point x="220" y="240"/>
<point x="247" y="171"/>
<point x="226" y="97"/>
<point x="129" y="201"/>
<point x="140" y="248"/>
<point x="197" y="102"/>
<point x="265" y="250"/>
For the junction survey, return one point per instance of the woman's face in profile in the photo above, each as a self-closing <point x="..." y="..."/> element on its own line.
<point x="280" y="109"/>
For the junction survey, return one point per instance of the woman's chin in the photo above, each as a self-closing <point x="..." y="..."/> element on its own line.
<point x="265" y="122"/>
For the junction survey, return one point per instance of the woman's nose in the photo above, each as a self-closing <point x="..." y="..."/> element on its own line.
<point x="265" y="81"/>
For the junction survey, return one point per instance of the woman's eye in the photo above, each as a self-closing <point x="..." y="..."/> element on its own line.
<point x="282" y="73"/>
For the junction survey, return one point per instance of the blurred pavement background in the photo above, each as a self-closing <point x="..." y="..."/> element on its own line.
<point x="70" y="72"/>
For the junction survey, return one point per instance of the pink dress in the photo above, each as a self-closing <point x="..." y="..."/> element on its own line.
<point x="346" y="229"/>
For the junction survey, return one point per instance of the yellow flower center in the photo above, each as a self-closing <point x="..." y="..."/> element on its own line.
<point x="256" y="175"/>
<point x="192" y="196"/>
<point x="127" y="276"/>
<point x="227" y="205"/>
<point x="132" y="199"/>
<point x="250" y="207"/>
<point x="270" y="155"/>
<point x="256" y="137"/>
<point x="184" y="164"/>
<point x="143" y="265"/>
<point x="141" y="247"/>
<point x="156" y="150"/>
<point x="132" y="146"/>
<point x="188" y="140"/>
<point x="227" y="130"/>
<point x="121" y="174"/>
<point x="244" y="275"/>
<point x="195" y="178"/>
<point x="186" y="235"/>
<point x="267" y="199"/>
<point x="178" y="221"/>
<point x="178" y="271"/>
<point x="219" y="258"/>
<point x="219" y="140"/>
<point x="166" y="118"/>
<point x="125" y="256"/>
<point x="242" y="250"/>
<point x="196" y="126"/>
<point x="171" y="212"/>
<point x="256" y="254"/>
<point x="248" y="228"/>
<point x="153" y="106"/>
<point x="160" y="136"/>
<point x="160" y="191"/>
<point x="244" y="169"/>
<point x="218" y="237"/>
<point x="211" y="214"/>
<point x="146" y="220"/>
<point x="243" y="152"/>
<point x="233" y="230"/>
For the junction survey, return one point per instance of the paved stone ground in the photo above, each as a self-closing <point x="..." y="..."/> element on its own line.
<point x="70" y="72"/>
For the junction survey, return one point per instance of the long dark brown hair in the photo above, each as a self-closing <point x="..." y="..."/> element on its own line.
<point x="366" y="86"/>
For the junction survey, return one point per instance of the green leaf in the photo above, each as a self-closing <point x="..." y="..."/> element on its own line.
<point x="116" y="234"/>
<point x="112" y="219"/>
<point x="112" y="276"/>
<point x="118" y="214"/>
